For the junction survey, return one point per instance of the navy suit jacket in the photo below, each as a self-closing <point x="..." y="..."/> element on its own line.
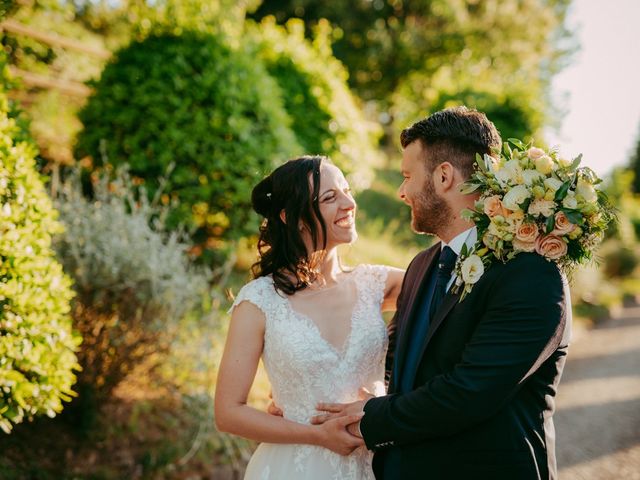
<point x="484" y="389"/>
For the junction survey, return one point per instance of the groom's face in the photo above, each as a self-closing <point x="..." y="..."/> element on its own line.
<point x="429" y="211"/>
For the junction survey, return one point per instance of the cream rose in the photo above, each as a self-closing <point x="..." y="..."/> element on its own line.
<point x="542" y="207"/>
<point x="534" y="153"/>
<point x="515" y="197"/>
<point x="493" y="206"/>
<point x="586" y="191"/>
<point x="563" y="225"/>
<point x="551" y="247"/>
<point x="544" y="164"/>
<point x="472" y="269"/>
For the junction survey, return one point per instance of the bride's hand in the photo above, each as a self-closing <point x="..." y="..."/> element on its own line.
<point x="273" y="409"/>
<point x="333" y="435"/>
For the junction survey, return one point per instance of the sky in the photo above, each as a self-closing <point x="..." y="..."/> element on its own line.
<point x="602" y="109"/>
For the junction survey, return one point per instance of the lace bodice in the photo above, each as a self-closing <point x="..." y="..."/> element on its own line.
<point x="302" y="366"/>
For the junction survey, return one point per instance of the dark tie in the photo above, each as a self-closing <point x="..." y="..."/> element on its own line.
<point x="445" y="266"/>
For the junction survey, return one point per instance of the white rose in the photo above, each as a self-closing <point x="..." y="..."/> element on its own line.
<point x="570" y="201"/>
<point x="553" y="184"/>
<point x="515" y="197"/>
<point x="586" y="191"/>
<point x="531" y="176"/>
<point x="472" y="269"/>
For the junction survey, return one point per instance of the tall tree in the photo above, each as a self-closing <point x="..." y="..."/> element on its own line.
<point x="402" y="52"/>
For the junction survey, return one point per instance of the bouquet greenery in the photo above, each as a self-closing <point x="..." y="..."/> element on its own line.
<point x="532" y="200"/>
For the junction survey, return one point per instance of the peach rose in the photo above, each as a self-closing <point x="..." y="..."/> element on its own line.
<point x="493" y="207"/>
<point x="551" y="246"/>
<point x="527" y="232"/>
<point x="563" y="225"/>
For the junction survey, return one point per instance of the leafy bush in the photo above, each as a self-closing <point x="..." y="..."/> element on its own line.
<point x="37" y="359"/>
<point x="191" y="101"/>
<point x="133" y="280"/>
<point x="327" y="117"/>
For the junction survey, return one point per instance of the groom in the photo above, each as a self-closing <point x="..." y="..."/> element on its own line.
<point x="472" y="383"/>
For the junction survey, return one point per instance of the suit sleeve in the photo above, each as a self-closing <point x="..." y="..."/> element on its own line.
<point x="521" y="327"/>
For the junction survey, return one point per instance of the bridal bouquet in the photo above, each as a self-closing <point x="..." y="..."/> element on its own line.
<point x="532" y="201"/>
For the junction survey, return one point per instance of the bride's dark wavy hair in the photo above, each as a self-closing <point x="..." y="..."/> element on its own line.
<point x="281" y="248"/>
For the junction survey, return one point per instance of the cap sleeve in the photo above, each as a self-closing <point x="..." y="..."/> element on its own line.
<point x="373" y="280"/>
<point x="259" y="292"/>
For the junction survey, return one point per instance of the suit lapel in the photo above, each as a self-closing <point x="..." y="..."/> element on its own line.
<point x="448" y="302"/>
<point x="407" y="318"/>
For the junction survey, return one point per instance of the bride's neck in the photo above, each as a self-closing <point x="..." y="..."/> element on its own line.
<point x="330" y="267"/>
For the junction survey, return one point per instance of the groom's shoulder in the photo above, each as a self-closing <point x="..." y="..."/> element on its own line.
<point x="424" y="256"/>
<point x="527" y="266"/>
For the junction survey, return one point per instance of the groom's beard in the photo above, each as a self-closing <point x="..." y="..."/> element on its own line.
<point x="430" y="212"/>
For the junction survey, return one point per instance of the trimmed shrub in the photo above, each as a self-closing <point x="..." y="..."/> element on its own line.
<point x="193" y="102"/>
<point x="37" y="359"/>
<point x="326" y="115"/>
<point x="133" y="279"/>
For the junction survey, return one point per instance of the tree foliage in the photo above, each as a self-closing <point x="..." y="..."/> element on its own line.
<point x="395" y="49"/>
<point x="36" y="340"/>
<point x="327" y="117"/>
<point x="192" y="103"/>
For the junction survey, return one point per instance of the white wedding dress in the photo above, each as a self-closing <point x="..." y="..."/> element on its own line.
<point x="305" y="369"/>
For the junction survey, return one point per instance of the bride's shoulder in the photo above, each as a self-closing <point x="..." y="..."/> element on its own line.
<point x="367" y="271"/>
<point x="258" y="291"/>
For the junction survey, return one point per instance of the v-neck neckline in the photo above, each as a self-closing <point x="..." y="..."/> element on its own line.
<point x="343" y="350"/>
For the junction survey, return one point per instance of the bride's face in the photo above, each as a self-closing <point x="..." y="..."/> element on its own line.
<point x="337" y="206"/>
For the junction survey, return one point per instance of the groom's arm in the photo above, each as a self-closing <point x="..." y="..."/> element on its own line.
<point x="521" y="327"/>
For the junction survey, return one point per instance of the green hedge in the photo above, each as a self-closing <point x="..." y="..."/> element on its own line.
<point x="192" y="101"/>
<point x="327" y="117"/>
<point x="36" y="340"/>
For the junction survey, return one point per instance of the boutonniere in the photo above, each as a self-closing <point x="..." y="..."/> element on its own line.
<point x="531" y="201"/>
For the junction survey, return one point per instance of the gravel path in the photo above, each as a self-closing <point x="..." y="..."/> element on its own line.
<point x="598" y="405"/>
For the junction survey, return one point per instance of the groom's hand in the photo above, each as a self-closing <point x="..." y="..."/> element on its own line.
<point x="337" y="410"/>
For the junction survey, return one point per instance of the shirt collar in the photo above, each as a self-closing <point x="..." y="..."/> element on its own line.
<point x="468" y="238"/>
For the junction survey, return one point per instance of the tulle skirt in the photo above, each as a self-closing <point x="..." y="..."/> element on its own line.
<point x="307" y="462"/>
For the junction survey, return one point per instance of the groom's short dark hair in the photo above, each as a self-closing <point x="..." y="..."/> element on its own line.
<point x="454" y="135"/>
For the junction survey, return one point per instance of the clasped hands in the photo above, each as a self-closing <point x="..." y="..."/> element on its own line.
<point x="339" y="424"/>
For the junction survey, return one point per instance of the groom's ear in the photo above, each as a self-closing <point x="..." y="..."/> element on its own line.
<point x="283" y="216"/>
<point x="445" y="175"/>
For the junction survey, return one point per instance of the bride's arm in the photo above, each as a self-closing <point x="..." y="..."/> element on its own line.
<point x="236" y="374"/>
<point x="392" y="288"/>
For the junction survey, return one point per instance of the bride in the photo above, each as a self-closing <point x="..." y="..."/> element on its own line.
<point x="318" y="327"/>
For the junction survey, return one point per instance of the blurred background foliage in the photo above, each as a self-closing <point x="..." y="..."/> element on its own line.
<point x="153" y="119"/>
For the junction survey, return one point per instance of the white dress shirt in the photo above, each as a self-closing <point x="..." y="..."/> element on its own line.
<point x="468" y="238"/>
